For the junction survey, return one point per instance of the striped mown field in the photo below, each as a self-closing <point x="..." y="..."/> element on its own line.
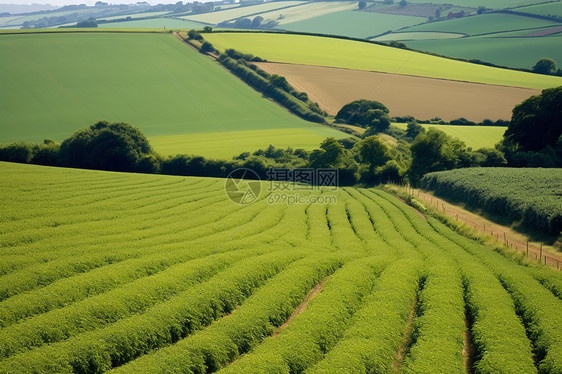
<point x="128" y="273"/>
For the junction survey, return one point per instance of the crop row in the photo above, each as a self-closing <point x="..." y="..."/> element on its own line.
<point x="236" y="334"/>
<point x="536" y="305"/>
<point x="44" y="274"/>
<point x="315" y="331"/>
<point x="165" y="323"/>
<point x="374" y="337"/>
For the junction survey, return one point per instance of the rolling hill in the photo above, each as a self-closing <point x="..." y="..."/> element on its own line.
<point x="55" y="84"/>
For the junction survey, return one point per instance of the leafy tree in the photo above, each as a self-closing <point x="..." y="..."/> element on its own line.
<point x="359" y="112"/>
<point x="207" y="47"/>
<point x="481" y="10"/>
<point x="537" y="122"/>
<point x="280" y="82"/>
<point x="256" y="23"/>
<point x="207" y="29"/>
<point x="435" y="151"/>
<point x="413" y="129"/>
<point x="329" y="155"/>
<point x="403" y="3"/>
<point x="106" y="146"/>
<point x="438" y="13"/>
<point x="545" y="66"/>
<point x="194" y="35"/>
<point x="243" y="23"/>
<point x="362" y="4"/>
<point x="374" y="152"/>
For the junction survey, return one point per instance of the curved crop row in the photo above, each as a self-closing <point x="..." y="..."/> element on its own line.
<point x="221" y="343"/>
<point x="316" y="330"/>
<point x="372" y="341"/>
<point x="126" y="339"/>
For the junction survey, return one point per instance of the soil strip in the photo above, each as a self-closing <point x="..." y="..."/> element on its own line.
<point x="315" y="291"/>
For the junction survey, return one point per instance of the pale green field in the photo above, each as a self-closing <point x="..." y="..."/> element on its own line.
<point x="473" y="136"/>
<point x="484" y="24"/>
<point x="324" y="51"/>
<point x="493" y="4"/>
<point x="136" y="15"/>
<point x="418" y="36"/>
<point x="308" y="11"/>
<point x="222" y="145"/>
<point x="554" y="8"/>
<point x="155" y="23"/>
<point x="354" y="24"/>
<point x="228" y="14"/>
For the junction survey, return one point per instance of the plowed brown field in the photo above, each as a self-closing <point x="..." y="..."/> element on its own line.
<point x="423" y="98"/>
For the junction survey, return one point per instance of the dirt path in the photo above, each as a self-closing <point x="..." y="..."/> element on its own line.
<point x="315" y="291"/>
<point x="407" y="338"/>
<point x="500" y="233"/>
<point x="468" y="350"/>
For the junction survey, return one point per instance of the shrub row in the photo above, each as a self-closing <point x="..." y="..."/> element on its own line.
<point x="318" y="329"/>
<point x="264" y="86"/>
<point x="126" y="339"/>
<point x="371" y="342"/>
<point x="526" y="195"/>
<point x="269" y="307"/>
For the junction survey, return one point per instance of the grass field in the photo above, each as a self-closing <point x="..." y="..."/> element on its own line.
<point x="312" y="50"/>
<point x="307" y="11"/>
<point x="530" y="197"/>
<point x="233" y="13"/>
<point x="147" y="273"/>
<point x="501" y="51"/>
<point x="155" y="23"/>
<point x="418" y="36"/>
<point x="484" y="24"/>
<point x="473" y="136"/>
<point x="554" y="8"/>
<point x="150" y="80"/>
<point x="490" y="4"/>
<point x="136" y="15"/>
<point x="223" y="145"/>
<point x="354" y="24"/>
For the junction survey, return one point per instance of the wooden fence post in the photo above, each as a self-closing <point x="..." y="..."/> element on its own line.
<point x="527" y="248"/>
<point x="540" y="253"/>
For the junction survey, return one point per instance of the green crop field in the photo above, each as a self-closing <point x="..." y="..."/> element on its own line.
<point x="500" y="51"/>
<point x="528" y="196"/>
<point x="426" y="35"/>
<point x="484" y="24"/>
<point x="354" y="24"/>
<point x="155" y="23"/>
<point x="136" y="15"/>
<point x="553" y="8"/>
<point x="490" y="4"/>
<point x="129" y="273"/>
<point x="243" y="11"/>
<point x="324" y="51"/>
<point x="53" y="85"/>
<point x="473" y="136"/>
<point x="224" y="145"/>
